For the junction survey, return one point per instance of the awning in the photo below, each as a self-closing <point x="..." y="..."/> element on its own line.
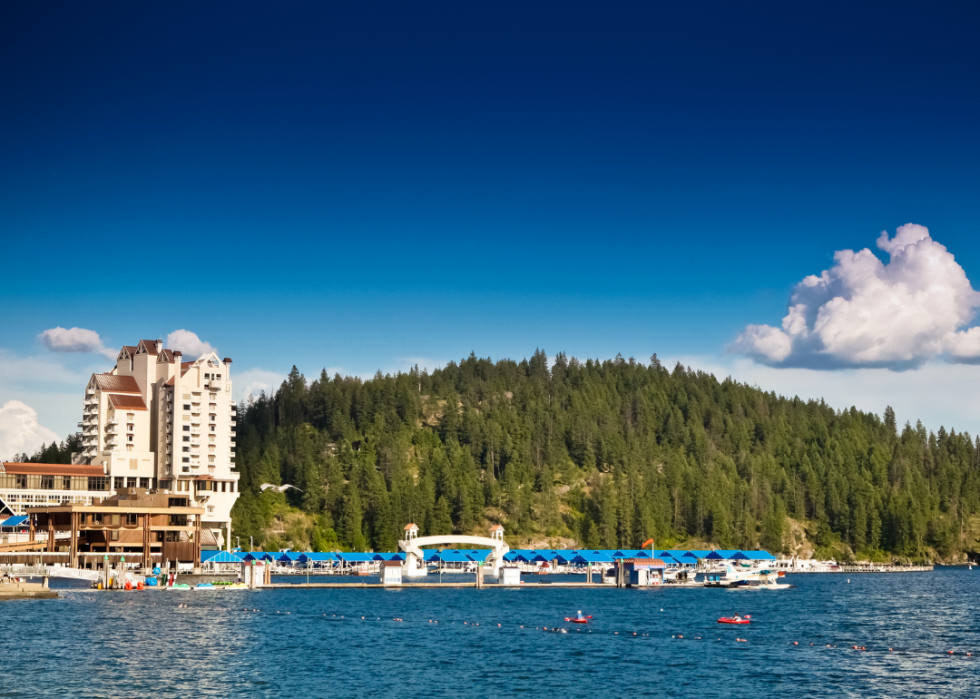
<point x="14" y="522"/>
<point x="221" y="557"/>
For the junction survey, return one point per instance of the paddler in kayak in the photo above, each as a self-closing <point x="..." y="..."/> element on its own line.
<point x="736" y="618"/>
<point x="579" y="615"/>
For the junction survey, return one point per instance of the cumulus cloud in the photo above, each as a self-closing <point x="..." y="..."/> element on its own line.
<point x="863" y="313"/>
<point x="189" y="344"/>
<point x="75" y="340"/>
<point x="20" y="431"/>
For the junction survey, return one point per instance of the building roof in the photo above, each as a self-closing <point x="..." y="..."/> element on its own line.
<point x="116" y="384"/>
<point x="167" y="356"/>
<point x="127" y="402"/>
<point x="129" y="349"/>
<point x="184" y="366"/>
<point x="410" y="525"/>
<point x="170" y="381"/>
<point x="22" y="469"/>
<point x="150" y="346"/>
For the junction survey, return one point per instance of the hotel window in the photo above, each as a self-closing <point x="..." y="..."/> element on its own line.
<point x="210" y="509"/>
<point x="210" y="459"/>
<point x="130" y="416"/>
<point x="212" y="427"/>
<point x="114" y="520"/>
<point x="117" y="482"/>
<point x="21" y="481"/>
<point x="187" y="438"/>
<point x="97" y="518"/>
<point x="213" y="406"/>
<point x="66" y="482"/>
<point x="114" y="536"/>
<point x="47" y="482"/>
<point x="129" y="447"/>
<point x="186" y="459"/>
<point x="129" y="438"/>
<point x="132" y="518"/>
<point x="212" y="417"/>
<point x="130" y="482"/>
<point x="211" y="448"/>
<point x="187" y="406"/>
<point x="187" y="428"/>
<point x="130" y="427"/>
<point x="223" y="485"/>
<point x="144" y="482"/>
<point x="211" y="438"/>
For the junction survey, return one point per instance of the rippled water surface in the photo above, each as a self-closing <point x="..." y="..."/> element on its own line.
<point x="491" y="642"/>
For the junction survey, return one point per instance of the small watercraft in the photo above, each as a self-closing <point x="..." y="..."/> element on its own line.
<point x="578" y="619"/>
<point x="735" y="620"/>
<point x="179" y="586"/>
<point x="205" y="586"/>
<point x="235" y="586"/>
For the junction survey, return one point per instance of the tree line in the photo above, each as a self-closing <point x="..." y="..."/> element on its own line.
<point x="607" y="453"/>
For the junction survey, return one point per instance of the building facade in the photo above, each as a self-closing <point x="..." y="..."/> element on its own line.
<point x="158" y="422"/>
<point x="33" y="485"/>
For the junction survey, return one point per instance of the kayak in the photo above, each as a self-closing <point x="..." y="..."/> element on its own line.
<point x="727" y="620"/>
<point x="575" y="620"/>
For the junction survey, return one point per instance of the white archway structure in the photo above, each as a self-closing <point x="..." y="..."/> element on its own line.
<point x="415" y="559"/>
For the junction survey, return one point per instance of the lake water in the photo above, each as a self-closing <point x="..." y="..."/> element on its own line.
<point x="490" y="642"/>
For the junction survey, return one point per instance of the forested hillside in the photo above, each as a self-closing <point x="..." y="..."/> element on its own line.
<point x="605" y="453"/>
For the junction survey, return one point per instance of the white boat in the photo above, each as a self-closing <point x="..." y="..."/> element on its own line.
<point x="746" y="577"/>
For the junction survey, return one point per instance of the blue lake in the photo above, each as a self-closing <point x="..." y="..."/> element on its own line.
<point x="491" y="642"/>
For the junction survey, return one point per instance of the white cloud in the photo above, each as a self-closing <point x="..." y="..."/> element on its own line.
<point x="20" y="431"/>
<point x="254" y="381"/>
<point x="75" y="340"/>
<point x="862" y="313"/>
<point x="189" y="344"/>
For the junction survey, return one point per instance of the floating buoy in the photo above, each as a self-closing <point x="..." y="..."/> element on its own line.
<point x="796" y="643"/>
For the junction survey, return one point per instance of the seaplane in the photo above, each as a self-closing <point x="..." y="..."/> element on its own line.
<point x="747" y="578"/>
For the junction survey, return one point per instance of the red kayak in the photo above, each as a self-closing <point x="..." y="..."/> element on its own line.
<point x="727" y="620"/>
<point x="584" y="620"/>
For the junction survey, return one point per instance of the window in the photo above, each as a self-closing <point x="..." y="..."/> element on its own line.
<point x="187" y="406"/>
<point x="178" y="502"/>
<point x="133" y="464"/>
<point x="130" y="416"/>
<point x="212" y="427"/>
<point x="213" y="406"/>
<point x="129" y="438"/>
<point x="232" y="484"/>
<point x="114" y="536"/>
<point x="210" y="509"/>
<point x="98" y="483"/>
<point x="187" y="428"/>
<point x="81" y="518"/>
<point x="129" y="447"/>
<point x="117" y="482"/>
<point x="187" y="438"/>
<point x="178" y="521"/>
<point x="211" y="448"/>
<point x="130" y="482"/>
<point x="210" y="459"/>
<point x="114" y="520"/>
<point x="186" y="459"/>
<point x="212" y="417"/>
<point x="223" y="485"/>
<point x="21" y="481"/>
<point x="47" y="482"/>
<point x="132" y="519"/>
<point x="144" y="482"/>
<point x="130" y="427"/>
<point x="66" y="482"/>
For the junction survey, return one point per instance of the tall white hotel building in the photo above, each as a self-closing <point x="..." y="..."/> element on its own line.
<point x="156" y="421"/>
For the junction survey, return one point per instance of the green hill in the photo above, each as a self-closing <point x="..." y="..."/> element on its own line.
<point x="602" y="454"/>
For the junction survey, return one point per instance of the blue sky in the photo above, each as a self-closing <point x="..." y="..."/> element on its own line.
<point x="362" y="188"/>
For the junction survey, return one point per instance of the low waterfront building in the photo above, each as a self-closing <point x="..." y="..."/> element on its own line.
<point x="29" y="485"/>
<point x="161" y="527"/>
